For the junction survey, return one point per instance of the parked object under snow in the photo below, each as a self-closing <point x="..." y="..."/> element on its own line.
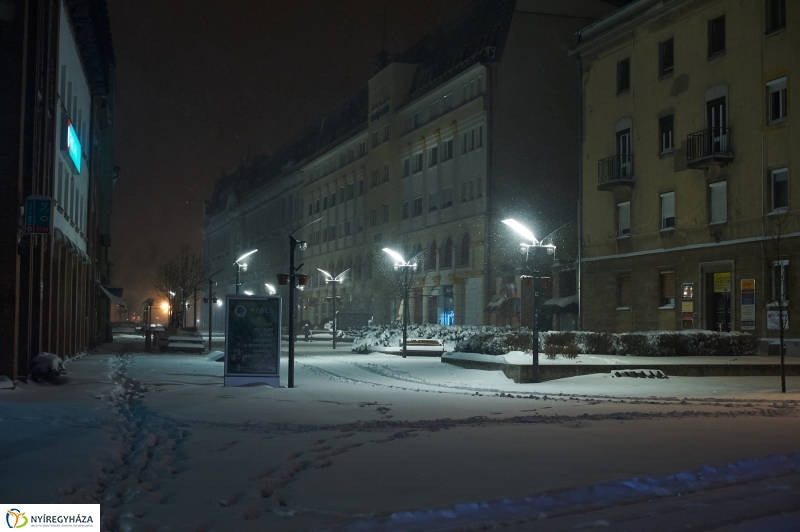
<point x="47" y="367"/>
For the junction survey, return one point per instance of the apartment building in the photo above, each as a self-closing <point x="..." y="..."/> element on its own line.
<point x="426" y="157"/>
<point x="687" y="162"/>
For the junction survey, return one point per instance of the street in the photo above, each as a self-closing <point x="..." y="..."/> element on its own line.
<point x="377" y="442"/>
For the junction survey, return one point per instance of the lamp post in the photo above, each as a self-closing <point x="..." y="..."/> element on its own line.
<point x="334" y="281"/>
<point x="211" y="284"/>
<point x="535" y="244"/>
<point x="291" y="279"/>
<point x="400" y="263"/>
<point x="270" y="289"/>
<point x="241" y="266"/>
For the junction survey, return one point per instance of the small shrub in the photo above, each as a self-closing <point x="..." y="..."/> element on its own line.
<point x="570" y="351"/>
<point x="551" y="351"/>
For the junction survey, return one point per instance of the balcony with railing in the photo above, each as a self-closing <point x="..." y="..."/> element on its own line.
<point x="615" y="171"/>
<point x="711" y="146"/>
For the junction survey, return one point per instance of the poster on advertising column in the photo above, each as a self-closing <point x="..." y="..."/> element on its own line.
<point x="252" y="340"/>
<point x="748" y="295"/>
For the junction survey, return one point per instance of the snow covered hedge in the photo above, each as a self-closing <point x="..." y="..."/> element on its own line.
<point x="47" y="367"/>
<point x="655" y="343"/>
<point x="501" y="340"/>
<point x="467" y="338"/>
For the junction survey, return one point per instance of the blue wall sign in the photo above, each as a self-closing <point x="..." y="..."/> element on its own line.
<point x="38" y="215"/>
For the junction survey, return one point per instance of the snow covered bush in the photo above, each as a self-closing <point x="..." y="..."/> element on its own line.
<point x="467" y="338"/>
<point x="654" y="343"/>
<point x="46" y="367"/>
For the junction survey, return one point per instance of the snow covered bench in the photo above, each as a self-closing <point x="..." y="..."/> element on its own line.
<point x="186" y="343"/>
<point x="429" y="344"/>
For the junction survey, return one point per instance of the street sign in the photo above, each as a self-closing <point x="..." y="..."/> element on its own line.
<point x="252" y="340"/>
<point x="38" y="215"/>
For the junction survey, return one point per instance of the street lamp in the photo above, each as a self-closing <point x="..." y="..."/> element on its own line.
<point x="291" y="280"/>
<point x="211" y="300"/>
<point x="334" y="281"/>
<point x="526" y="247"/>
<point x="241" y="266"/>
<point x="270" y="289"/>
<point x="400" y="263"/>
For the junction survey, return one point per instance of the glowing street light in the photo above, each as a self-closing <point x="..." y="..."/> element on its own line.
<point x="400" y="263"/>
<point x="248" y="293"/>
<point x="334" y="281"/>
<point x="241" y="266"/>
<point x="270" y="289"/>
<point x="526" y="246"/>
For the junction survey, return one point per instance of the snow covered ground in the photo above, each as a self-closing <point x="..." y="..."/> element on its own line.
<point x="520" y="358"/>
<point x="378" y="442"/>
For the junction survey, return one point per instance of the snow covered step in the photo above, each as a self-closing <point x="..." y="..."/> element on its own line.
<point x="640" y="373"/>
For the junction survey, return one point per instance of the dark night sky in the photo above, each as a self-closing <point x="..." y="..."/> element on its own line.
<point x="199" y="83"/>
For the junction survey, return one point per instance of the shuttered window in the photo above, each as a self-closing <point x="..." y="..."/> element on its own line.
<point x="719" y="202"/>
<point x="667" y="287"/>
<point x="624" y="218"/>
<point x="624" y="290"/>
<point x="668" y="210"/>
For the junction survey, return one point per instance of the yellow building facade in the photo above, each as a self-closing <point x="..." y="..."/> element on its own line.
<point x="688" y="162"/>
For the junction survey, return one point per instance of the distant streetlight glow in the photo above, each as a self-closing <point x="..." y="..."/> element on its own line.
<point x="240" y="259"/>
<point x="270" y="289"/>
<point x="334" y="281"/>
<point x="520" y="229"/>
<point x="164" y="306"/>
<point x="248" y="293"/>
<point x="401" y="263"/>
<point x="240" y="266"/>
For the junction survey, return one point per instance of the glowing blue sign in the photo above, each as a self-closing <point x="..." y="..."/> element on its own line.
<point x="71" y="145"/>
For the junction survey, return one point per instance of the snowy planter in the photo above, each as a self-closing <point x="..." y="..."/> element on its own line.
<point x="465" y="338"/>
<point x="47" y="367"/>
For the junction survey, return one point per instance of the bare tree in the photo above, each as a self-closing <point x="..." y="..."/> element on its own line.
<point x="177" y="279"/>
<point x="773" y="255"/>
<point x="391" y="281"/>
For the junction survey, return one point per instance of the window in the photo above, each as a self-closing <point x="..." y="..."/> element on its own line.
<point x="324" y="234"/>
<point x="362" y="149"/>
<point x="447" y="102"/>
<point x="463" y="192"/>
<point x="418" y="162"/>
<point x="668" y="288"/>
<point x="417" y="206"/>
<point x="348" y="228"/>
<point x="668" y="210"/>
<point x="718" y="194"/>
<point x="464" y="143"/>
<point x="385" y="132"/>
<point x="360" y="187"/>
<point x="666" y="58"/>
<point x="310" y="208"/>
<point x="471" y="189"/>
<point x="777" y="100"/>
<point x="406" y="167"/>
<point x="624" y="219"/>
<point x="332" y="232"/>
<point x="317" y="206"/>
<point x="408" y="124"/>
<point x="432" y="201"/>
<point x="360" y="224"/>
<point x="780" y="280"/>
<point x="433" y="156"/>
<point x="434" y="112"/>
<point x="780" y="188"/>
<point x="447" y="253"/>
<point x="624" y="75"/>
<point x="430" y="259"/>
<point x="472" y="140"/>
<point x="776" y="15"/>
<point x="374" y="139"/>
<point x="374" y="181"/>
<point x="351" y="155"/>
<point x="624" y="290"/>
<point x="463" y="251"/>
<point x="418" y="119"/>
<point x="332" y="202"/>
<point x="716" y="36"/>
<point x="448" y="150"/>
<point x="447" y="197"/>
<point x="479" y="138"/>
<point x="341" y="232"/>
<point x="479" y="188"/>
<point x="666" y="126"/>
<point x="385" y="213"/>
<point x="386" y="172"/>
<point x="373" y="217"/>
<point x="406" y="210"/>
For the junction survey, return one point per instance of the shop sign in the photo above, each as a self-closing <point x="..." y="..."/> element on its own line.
<point x="70" y="145"/>
<point x="748" y="297"/>
<point x="252" y="340"/>
<point x="722" y="283"/>
<point x="38" y="215"/>
<point x="773" y="320"/>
